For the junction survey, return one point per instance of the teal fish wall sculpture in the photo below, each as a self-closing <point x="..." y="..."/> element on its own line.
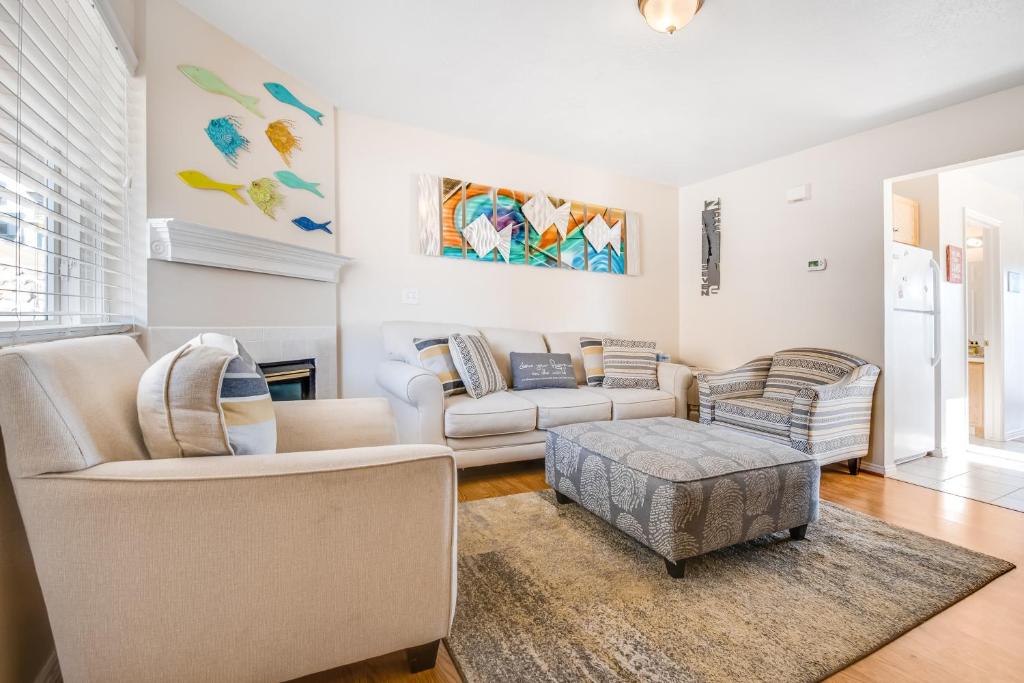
<point x="289" y="179"/>
<point x="283" y="94"/>
<point x="309" y="225"/>
<point x="211" y="82"/>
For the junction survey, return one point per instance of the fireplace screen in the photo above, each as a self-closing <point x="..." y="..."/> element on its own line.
<point x="292" y="380"/>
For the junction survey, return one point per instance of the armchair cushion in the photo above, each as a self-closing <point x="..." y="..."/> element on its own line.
<point x="207" y="397"/>
<point x="767" y="415"/>
<point x="794" y="369"/>
<point x="746" y="381"/>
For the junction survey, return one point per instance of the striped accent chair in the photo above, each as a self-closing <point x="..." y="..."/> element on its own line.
<point x="815" y="400"/>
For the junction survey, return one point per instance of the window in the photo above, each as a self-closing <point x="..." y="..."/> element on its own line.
<point x="64" y="251"/>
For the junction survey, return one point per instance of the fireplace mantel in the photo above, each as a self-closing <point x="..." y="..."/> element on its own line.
<point x="182" y="242"/>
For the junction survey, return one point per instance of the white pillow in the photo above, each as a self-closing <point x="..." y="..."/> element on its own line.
<point x="207" y="397"/>
<point x="476" y="365"/>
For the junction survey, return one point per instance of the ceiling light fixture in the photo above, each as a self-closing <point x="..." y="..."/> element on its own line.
<point x="668" y="16"/>
<point x="974" y="242"/>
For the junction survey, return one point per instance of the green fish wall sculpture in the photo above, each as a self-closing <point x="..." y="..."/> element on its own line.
<point x="289" y="179"/>
<point x="211" y="82"/>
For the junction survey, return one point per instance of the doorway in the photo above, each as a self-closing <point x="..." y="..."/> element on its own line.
<point x="955" y="362"/>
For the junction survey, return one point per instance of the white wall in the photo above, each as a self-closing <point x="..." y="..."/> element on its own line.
<point x="378" y="163"/>
<point x="768" y="300"/>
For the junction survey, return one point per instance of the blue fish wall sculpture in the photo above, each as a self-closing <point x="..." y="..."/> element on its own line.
<point x="309" y="225"/>
<point x="225" y="136"/>
<point x="283" y="94"/>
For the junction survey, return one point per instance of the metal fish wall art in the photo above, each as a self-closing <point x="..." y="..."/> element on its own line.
<point x="293" y="181"/>
<point x="264" y="193"/>
<point x="283" y="94"/>
<point x="283" y="139"/>
<point x="309" y="225"/>
<point x="211" y="82"/>
<point x="201" y="181"/>
<point x="225" y="136"/>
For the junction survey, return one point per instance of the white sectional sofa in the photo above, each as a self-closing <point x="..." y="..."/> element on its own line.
<point x="509" y="425"/>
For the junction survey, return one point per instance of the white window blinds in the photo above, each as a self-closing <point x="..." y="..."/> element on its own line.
<point x="64" y="251"/>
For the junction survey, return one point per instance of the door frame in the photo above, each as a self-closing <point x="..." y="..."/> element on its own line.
<point x="994" y="425"/>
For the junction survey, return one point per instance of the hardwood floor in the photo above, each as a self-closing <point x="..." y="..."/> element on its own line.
<point x="980" y="638"/>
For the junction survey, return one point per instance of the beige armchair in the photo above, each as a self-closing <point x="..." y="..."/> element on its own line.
<point x="248" y="568"/>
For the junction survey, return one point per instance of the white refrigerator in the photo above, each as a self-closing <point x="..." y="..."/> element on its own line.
<point x="913" y="370"/>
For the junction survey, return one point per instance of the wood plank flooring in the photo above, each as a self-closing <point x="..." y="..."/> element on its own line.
<point x="980" y="638"/>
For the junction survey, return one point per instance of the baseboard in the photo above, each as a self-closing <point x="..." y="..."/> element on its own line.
<point x="50" y="673"/>
<point x="877" y="469"/>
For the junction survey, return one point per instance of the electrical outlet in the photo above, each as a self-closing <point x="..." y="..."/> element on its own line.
<point x="411" y="296"/>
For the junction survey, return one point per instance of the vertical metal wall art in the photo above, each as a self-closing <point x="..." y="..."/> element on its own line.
<point x="711" y="238"/>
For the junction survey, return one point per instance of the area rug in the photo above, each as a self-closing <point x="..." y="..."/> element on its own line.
<point x="552" y="593"/>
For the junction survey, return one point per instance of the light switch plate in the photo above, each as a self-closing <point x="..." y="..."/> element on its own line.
<point x="411" y="296"/>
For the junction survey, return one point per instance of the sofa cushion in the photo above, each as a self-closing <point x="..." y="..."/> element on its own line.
<point x="499" y="413"/>
<point x="542" y="371"/>
<point x="398" y="337"/>
<point x="631" y="404"/>
<point x="557" y="407"/>
<point x="569" y="342"/>
<point x="475" y="362"/>
<point x="504" y="341"/>
<point x="629" y="364"/>
<point x="794" y="369"/>
<point x="759" y="414"/>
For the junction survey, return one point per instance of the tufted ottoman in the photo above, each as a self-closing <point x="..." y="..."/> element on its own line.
<point x="681" y="488"/>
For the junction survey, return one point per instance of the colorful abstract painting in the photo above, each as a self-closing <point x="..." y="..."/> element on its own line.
<point x="474" y="222"/>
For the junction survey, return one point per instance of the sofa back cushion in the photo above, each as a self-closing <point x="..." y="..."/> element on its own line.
<point x="569" y="342"/>
<point x="503" y="341"/>
<point x="794" y="369"/>
<point x="399" y="335"/>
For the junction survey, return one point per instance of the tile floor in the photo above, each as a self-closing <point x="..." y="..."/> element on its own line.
<point x="989" y="471"/>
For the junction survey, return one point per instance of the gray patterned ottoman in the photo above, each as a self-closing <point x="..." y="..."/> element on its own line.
<point x="682" y="488"/>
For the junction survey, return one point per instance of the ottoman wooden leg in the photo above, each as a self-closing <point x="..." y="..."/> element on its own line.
<point x="422" y="657"/>
<point x="562" y="499"/>
<point x="854" y="465"/>
<point x="798" y="533"/>
<point x="676" y="569"/>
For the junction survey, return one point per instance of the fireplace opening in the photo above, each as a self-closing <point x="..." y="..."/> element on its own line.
<point x="291" y="380"/>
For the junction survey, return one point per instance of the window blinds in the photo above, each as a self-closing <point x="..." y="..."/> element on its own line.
<point x="64" y="251"/>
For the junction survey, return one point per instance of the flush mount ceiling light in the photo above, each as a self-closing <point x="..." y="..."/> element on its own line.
<point x="974" y="242"/>
<point x="668" y="16"/>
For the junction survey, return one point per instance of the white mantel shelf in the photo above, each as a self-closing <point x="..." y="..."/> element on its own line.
<point x="181" y="242"/>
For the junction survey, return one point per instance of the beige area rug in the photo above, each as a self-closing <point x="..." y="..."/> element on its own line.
<point x="553" y="593"/>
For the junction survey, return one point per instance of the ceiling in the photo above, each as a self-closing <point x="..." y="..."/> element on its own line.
<point x="586" y="80"/>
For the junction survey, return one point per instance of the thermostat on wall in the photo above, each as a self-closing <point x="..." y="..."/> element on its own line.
<point x="817" y="264"/>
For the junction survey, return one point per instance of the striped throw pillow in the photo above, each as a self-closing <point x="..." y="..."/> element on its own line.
<point x="476" y="365"/>
<point x="435" y="356"/>
<point x="592" y="350"/>
<point x="794" y="369"/>
<point x="207" y="397"/>
<point x="630" y="364"/>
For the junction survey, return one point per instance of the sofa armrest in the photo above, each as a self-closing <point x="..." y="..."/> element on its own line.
<point x="675" y="379"/>
<point x="328" y="424"/>
<point x="275" y="554"/>
<point x="746" y="381"/>
<point x="417" y="400"/>
<point x="832" y="422"/>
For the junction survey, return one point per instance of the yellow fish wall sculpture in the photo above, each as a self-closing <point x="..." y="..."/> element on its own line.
<point x="201" y="181"/>
<point x="283" y="139"/>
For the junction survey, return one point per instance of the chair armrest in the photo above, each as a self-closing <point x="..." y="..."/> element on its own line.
<point x="417" y="399"/>
<point x="328" y="424"/>
<point x="303" y="562"/>
<point x="675" y="379"/>
<point x="832" y="422"/>
<point x="746" y="381"/>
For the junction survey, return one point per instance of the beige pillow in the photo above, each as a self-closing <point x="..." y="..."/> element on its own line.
<point x="207" y="397"/>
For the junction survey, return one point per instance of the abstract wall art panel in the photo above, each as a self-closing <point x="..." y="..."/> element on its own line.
<point x="474" y="222"/>
<point x="711" y="244"/>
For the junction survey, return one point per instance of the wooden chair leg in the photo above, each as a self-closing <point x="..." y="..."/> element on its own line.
<point x="854" y="465"/>
<point x="422" y="657"/>
<point x="562" y="499"/>
<point x="676" y="569"/>
<point x="798" y="533"/>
